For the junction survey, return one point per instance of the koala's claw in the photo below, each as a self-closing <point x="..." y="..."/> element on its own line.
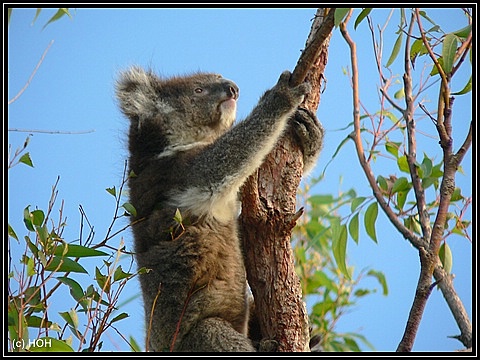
<point x="309" y="133"/>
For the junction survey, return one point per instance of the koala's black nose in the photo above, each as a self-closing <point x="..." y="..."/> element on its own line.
<point x="232" y="90"/>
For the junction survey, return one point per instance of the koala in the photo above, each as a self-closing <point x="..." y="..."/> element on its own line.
<point x="189" y="163"/>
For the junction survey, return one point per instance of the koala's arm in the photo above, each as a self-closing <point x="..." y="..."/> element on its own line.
<point x="240" y="151"/>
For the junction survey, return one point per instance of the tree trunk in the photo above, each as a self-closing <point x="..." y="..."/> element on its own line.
<point x="269" y="214"/>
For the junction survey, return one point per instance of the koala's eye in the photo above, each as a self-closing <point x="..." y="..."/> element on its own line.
<point x="198" y="90"/>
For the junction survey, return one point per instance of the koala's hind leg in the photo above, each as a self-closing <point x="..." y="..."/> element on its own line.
<point x="214" y="334"/>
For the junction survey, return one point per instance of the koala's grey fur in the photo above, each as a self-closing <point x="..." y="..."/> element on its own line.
<point x="186" y="155"/>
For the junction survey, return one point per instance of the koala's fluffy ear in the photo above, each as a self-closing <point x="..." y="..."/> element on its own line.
<point x="135" y="90"/>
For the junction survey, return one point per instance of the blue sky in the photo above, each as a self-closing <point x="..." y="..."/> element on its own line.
<point x="73" y="92"/>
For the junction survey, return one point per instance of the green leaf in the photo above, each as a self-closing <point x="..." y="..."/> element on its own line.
<point x="353" y="227"/>
<point x="426" y="166"/>
<point x="71" y="317"/>
<point x="402" y="198"/>
<point x="318" y="279"/>
<point x="427" y="182"/>
<point x="351" y="344"/>
<point x="12" y="233"/>
<point x="25" y="158"/>
<point x="49" y="344"/>
<point x="74" y="318"/>
<point x="435" y="69"/>
<point x="402" y="163"/>
<point x="102" y="280"/>
<point x="381" y="279"/>
<point x="178" y="217"/>
<point x="339" y="247"/>
<point x="448" y="52"/>
<point x="446" y="258"/>
<point x="120" y="274"/>
<point x="37" y="13"/>
<point x="456" y="195"/>
<point x="37" y="321"/>
<point x="75" y="289"/>
<point x="31" y="267"/>
<point x="400" y="94"/>
<point x="112" y="191"/>
<point x="27" y="219"/>
<point x="382" y="183"/>
<point x="417" y="49"/>
<point x="362" y="16"/>
<point x="65" y="265"/>
<point x="43" y="235"/>
<point x="77" y="251"/>
<point x="370" y="219"/>
<point x="362" y="292"/>
<point x="389" y="115"/>
<point x="437" y="170"/>
<point x="321" y="199"/>
<point x="324" y="307"/>
<point x="340" y="14"/>
<point x="133" y="344"/>
<point x="424" y="15"/>
<point x="37" y="217"/>
<point x="401" y="184"/>
<point x="412" y="223"/>
<point x="357" y="202"/>
<point x="59" y="14"/>
<point x="392" y="147"/>
<point x="463" y="32"/>
<point x="466" y="89"/>
<point x="32" y="296"/>
<point x="129" y="208"/>
<point x="119" y="317"/>
<point x="395" y="50"/>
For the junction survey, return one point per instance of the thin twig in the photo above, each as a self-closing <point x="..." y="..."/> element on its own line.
<point x="54" y="132"/>
<point x="356" y="136"/>
<point x="32" y="75"/>
<point x="424" y="217"/>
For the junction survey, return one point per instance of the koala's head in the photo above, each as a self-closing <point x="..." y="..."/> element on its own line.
<point x="182" y="110"/>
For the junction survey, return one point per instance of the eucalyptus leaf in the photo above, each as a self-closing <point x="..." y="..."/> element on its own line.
<point x="339" y="247"/>
<point x="64" y="264"/>
<point x="395" y="50"/>
<point x="370" y="219"/>
<point x="362" y="16"/>
<point x="353" y="228"/>
<point x="449" y="50"/>
<point x="26" y="159"/>
<point x="77" y="251"/>
<point x="340" y="14"/>
<point x="445" y="255"/>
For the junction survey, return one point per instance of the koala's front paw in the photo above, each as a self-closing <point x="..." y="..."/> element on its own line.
<point x="309" y="133"/>
<point x="294" y="94"/>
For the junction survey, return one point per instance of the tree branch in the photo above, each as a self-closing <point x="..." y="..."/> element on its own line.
<point x="427" y="259"/>
<point x="356" y="136"/>
<point x="269" y="215"/>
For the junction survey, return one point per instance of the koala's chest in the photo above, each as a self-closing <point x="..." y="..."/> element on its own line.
<point x="203" y="203"/>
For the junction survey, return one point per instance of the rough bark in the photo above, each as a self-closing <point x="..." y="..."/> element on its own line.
<point x="269" y="214"/>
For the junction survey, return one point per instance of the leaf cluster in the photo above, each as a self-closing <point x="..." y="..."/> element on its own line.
<point x="48" y="266"/>
<point x="328" y="282"/>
